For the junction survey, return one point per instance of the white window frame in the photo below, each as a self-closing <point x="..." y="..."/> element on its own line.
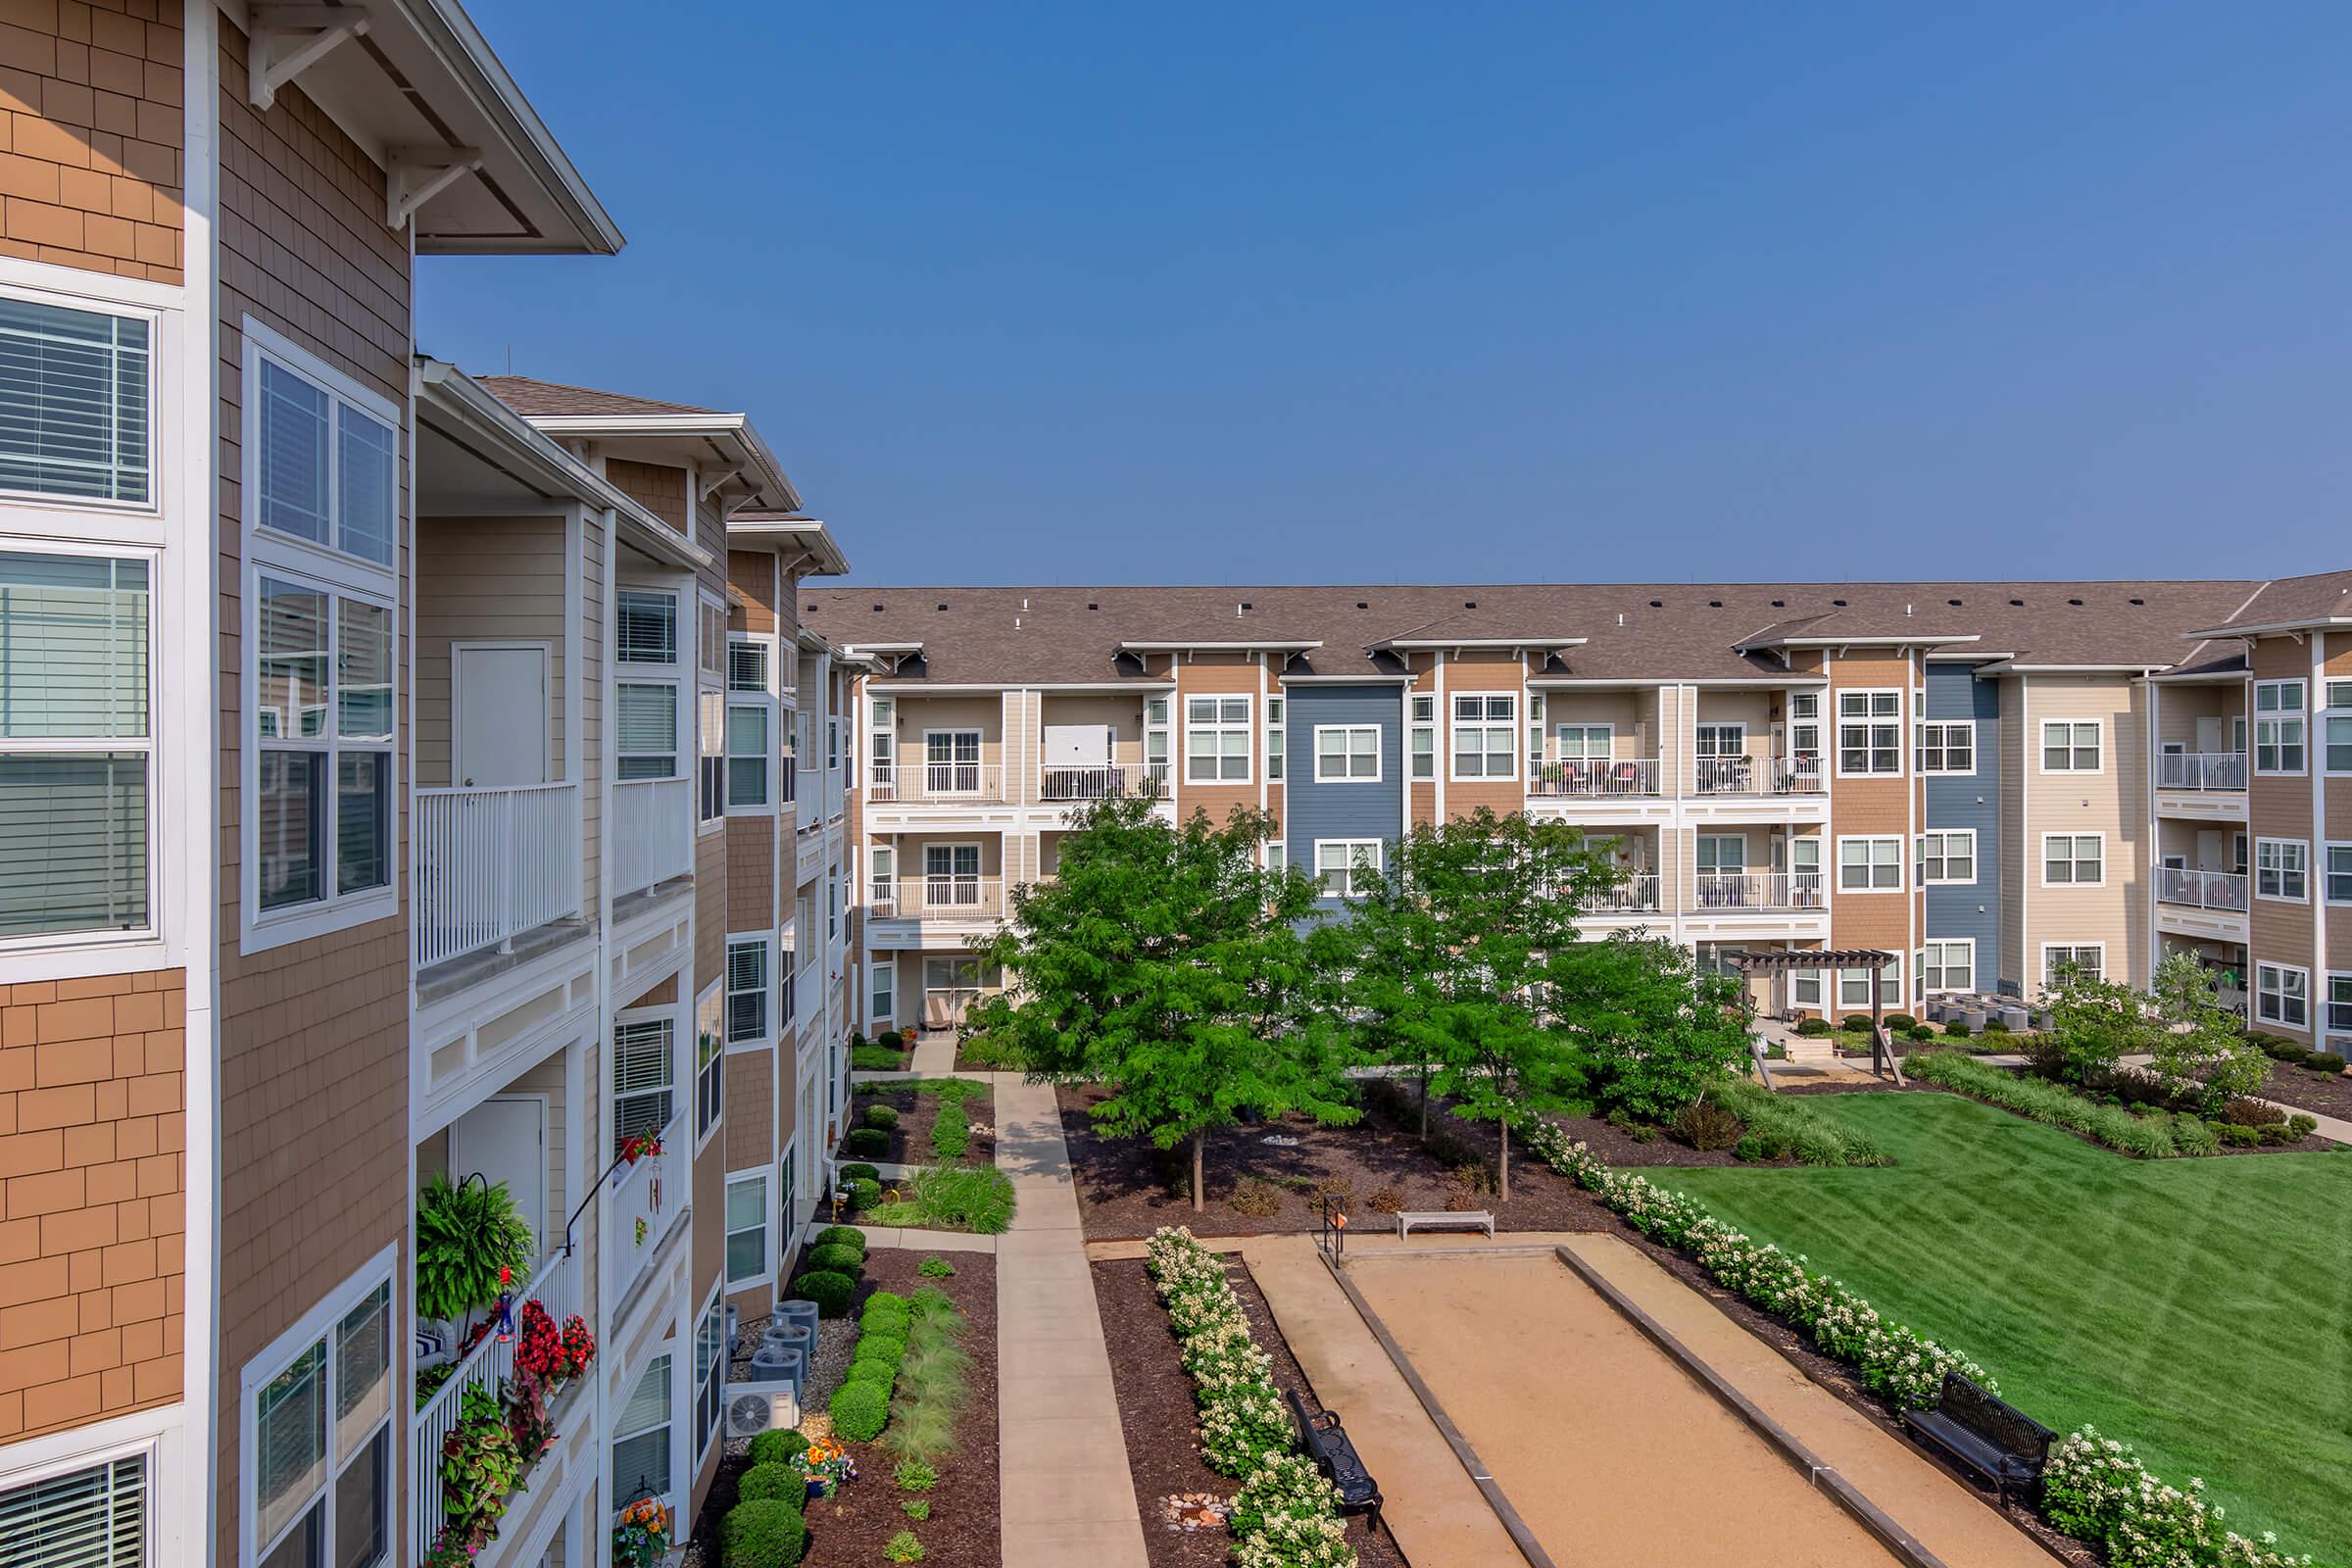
<point x="1805" y="989"/>
<point x="1497" y="714"/>
<point x="2271" y="985"/>
<point x="1942" y="949"/>
<point x="1160" y="737"/>
<point x="1421" y="737"/>
<point x="2280" y="721"/>
<point x="129" y="303"/>
<point x="626" y="1488"/>
<point x="315" y="1327"/>
<point x="1949" y="837"/>
<point x="1870" y="721"/>
<point x="766" y="1227"/>
<point x="1277" y="742"/>
<point x="1944" y="730"/>
<point x="1218" y="725"/>
<point x="709" y="1087"/>
<point x="2282" y="871"/>
<point x="882" y="986"/>
<point x="2073" y="745"/>
<point x="2074" y="859"/>
<point x="2329" y="1024"/>
<point x="1278" y="856"/>
<point x="2329" y="874"/>
<point x="62" y="1456"/>
<point x="1872" y="861"/>
<point x="766" y="942"/>
<point x="663" y="1013"/>
<point x="709" y="1369"/>
<point x="1348" y="756"/>
<point x="1891" y="989"/>
<point x="2074" y="952"/>
<point x="331" y="560"/>
<point x="1355" y="862"/>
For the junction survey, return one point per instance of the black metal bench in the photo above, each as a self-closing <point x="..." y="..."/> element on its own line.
<point x="1326" y="1443"/>
<point x="1988" y="1439"/>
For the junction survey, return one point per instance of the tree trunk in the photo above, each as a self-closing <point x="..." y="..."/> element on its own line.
<point x="1424" y="1099"/>
<point x="1200" y="1138"/>
<point x="1503" y="1170"/>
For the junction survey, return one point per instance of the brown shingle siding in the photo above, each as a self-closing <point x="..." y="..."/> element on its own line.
<point x="90" y="117"/>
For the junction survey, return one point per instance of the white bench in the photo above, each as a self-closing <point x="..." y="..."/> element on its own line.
<point x="1444" y="1219"/>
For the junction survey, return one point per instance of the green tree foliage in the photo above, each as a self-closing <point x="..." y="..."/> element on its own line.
<point x="1656" y="1029"/>
<point x="1170" y="966"/>
<point x="1452" y="951"/>
<point x="2098" y="1022"/>
<point x="2199" y="1045"/>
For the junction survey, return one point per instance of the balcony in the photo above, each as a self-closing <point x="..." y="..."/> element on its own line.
<point x="1592" y="778"/>
<point x="2186" y="888"/>
<point x="492" y="864"/>
<point x="652" y="832"/>
<point x="2201" y="770"/>
<point x="642" y="1202"/>
<point x="1715" y="892"/>
<point x="1093" y="783"/>
<point x="939" y="898"/>
<point x="1637" y="894"/>
<point x="1799" y="774"/>
<point x="935" y="783"/>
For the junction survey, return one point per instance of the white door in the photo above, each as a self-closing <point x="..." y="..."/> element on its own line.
<point x="502" y="715"/>
<point x="506" y="1141"/>
<point x="2209" y="734"/>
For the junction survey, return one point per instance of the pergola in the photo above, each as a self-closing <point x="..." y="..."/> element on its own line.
<point x="1784" y="960"/>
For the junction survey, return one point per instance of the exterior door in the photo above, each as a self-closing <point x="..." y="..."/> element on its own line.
<point x="951" y="762"/>
<point x="950" y="875"/>
<point x="499" y="694"/>
<point x="504" y="1139"/>
<point x="950" y="987"/>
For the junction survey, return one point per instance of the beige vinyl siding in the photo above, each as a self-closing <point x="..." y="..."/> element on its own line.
<point x="484" y="579"/>
<point x="2111" y="802"/>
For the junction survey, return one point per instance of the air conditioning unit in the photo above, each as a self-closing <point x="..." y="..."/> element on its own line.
<point x="756" y="1407"/>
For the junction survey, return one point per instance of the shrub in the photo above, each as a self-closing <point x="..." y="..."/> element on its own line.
<point x="1290" y="1539"/>
<point x="862" y="1192"/>
<point x="1855" y="1024"/>
<point x="765" y="1533"/>
<point x="2196" y="1137"/>
<point x="1900" y="1021"/>
<point x="857" y="1171"/>
<point x="1385" y="1200"/>
<point x="2096" y="1490"/>
<point x="859" y="1411"/>
<point x="903" y="1547"/>
<point x="777" y="1446"/>
<point x="881" y="1117"/>
<point x="914" y="1508"/>
<point x="870" y="1142"/>
<point x="1786" y="1124"/>
<point x="885" y="1303"/>
<point x="1995" y="1026"/>
<point x="1753" y="1147"/>
<point x="1286" y="1484"/>
<point x="887" y="1349"/>
<point x="1918" y="1032"/>
<point x="2053" y="1105"/>
<point x="774" y="1479"/>
<point x="829" y="1290"/>
<point x="935" y="1267"/>
<point x="954" y="1198"/>
<point x="2302" y="1125"/>
<point x="914" y="1474"/>
<point x="2324" y="1063"/>
<point x="881" y="1374"/>
<point x="837" y="1258"/>
<point x="2237" y="1135"/>
<point x="1957" y="1029"/>
<point x="1706" y="1127"/>
<point x="1815" y="1028"/>
<point x="842" y="1236"/>
<point x="1255" y="1199"/>
<point x="857" y="1039"/>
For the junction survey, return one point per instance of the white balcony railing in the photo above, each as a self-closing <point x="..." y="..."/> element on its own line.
<point x="1798" y="774"/>
<point x="915" y="783"/>
<point x="939" y="898"/>
<point x="1098" y="783"/>
<point x="1588" y="777"/>
<point x="652" y="832"/>
<point x="641" y="1202"/>
<point x="492" y="864"/>
<point x="1757" y="890"/>
<point x="556" y="1287"/>
<point x="1637" y="894"/>
<point x="2201" y="890"/>
<point x="2201" y="770"/>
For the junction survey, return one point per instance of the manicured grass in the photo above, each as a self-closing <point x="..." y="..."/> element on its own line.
<point x="2199" y="1308"/>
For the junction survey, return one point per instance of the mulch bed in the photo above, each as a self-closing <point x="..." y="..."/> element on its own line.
<point x="2323" y="1094"/>
<point x="850" y="1528"/>
<point x="1158" y="1418"/>
<point x="911" y="1140"/>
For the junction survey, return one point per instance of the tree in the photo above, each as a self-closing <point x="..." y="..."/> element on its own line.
<point x="1658" y="1031"/>
<point x="2199" y="1047"/>
<point x="2097" y="1022"/>
<point x="1452" y="947"/>
<point x="1171" y="966"/>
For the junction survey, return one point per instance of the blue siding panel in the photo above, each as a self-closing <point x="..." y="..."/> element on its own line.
<point x="1969" y="802"/>
<point x="1351" y="811"/>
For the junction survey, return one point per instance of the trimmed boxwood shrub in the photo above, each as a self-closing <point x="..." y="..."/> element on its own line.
<point x="1814" y="1028"/>
<point x="844" y="1235"/>
<point x="777" y="1446"/>
<point x="765" y="1533"/>
<point x="883" y="1118"/>
<point x="862" y="1192"/>
<point x="857" y="1169"/>
<point x="881" y="1374"/>
<point x="829" y="1290"/>
<point x="1918" y="1031"/>
<point x="2324" y="1061"/>
<point x="837" y="1258"/>
<point x="1901" y="1020"/>
<point x="870" y="1142"/>
<point x="887" y="1349"/>
<point x="1957" y="1029"/>
<point x="1858" y="1022"/>
<point x="1995" y="1026"/>
<point x="884" y="1304"/>
<point x="859" y="1411"/>
<point x="773" y="1479"/>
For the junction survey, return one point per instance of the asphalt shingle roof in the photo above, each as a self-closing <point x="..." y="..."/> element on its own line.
<point x="535" y="399"/>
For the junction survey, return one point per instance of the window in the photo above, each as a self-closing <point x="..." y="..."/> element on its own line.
<point x="1278" y="856"/>
<point x="2279" y="733"/>
<point x="2282" y="995"/>
<point x="1346" y="753"/>
<point x="2282" y="870"/>
<point x="833" y="891"/>
<point x="2069" y="746"/>
<point x="1721" y="855"/>
<point x="2339" y="1005"/>
<point x="2073" y="858"/>
<point x="2085" y="959"/>
<point x="1949" y="965"/>
<point x="641" y="1436"/>
<point x="747" y="755"/>
<point x="1155" y="739"/>
<point x="1804" y="730"/>
<point x="1720" y="740"/>
<point x="747" y="665"/>
<point x="1485" y="735"/>
<point x="711" y="640"/>
<point x="648" y="622"/>
<point x="884" y="980"/>
<point x="747" y="990"/>
<point x="1947" y="746"/>
<point x="644" y="1078"/>
<point x="747" y="1229"/>
<point x="1424" y="739"/>
<point x="710" y="756"/>
<point x="76" y="400"/>
<point x="1347" y="866"/>
<point x="709" y="1066"/>
<point x="648" y="729"/>
<point x="1216" y="739"/>
<point x="90" y="1518"/>
<point x="2335" y="729"/>
<point x="1854" y="988"/>
<point x="2339" y="873"/>
<point x="832" y="745"/>
<point x="76" y="746"/>
<point x="1274" y="739"/>
<point x="1870" y="732"/>
<point x="321" y="773"/>
<point x="1804" y="988"/>
<point x="324" y="459"/>
<point x="1948" y="856"/>
<point x="1584" y="742"/>
<point x="1870" y="864"/>
<point x="319" y="1454"/>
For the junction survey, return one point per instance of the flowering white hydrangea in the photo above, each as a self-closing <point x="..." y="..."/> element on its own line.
<point x="1297" y="1540"/>
<point x="2097" y="1490"/>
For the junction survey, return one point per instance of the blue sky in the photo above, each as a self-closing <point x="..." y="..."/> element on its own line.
<point x="1088" y="293"/>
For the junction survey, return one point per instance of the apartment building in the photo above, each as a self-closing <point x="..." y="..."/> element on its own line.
<point x="1990" y="780"/>
<point x="437" y="811"/>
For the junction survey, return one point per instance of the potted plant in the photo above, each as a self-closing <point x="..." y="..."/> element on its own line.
<point x="470" y="1241"/>
<point x="479" y="1466"/>
<point x="642" y="1535"/>
<point x="824" y="1464"/>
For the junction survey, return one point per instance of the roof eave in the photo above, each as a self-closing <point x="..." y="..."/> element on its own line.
<point x="807" y="535"/>
<point x="2272" y="627"/>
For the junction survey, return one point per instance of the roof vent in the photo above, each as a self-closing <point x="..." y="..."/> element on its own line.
<point x="1091" y="604"/>
<point x="1024" y="603"/>
<point x="1906" y="611"/>
<point x="2137" y="601"/>
<point x="942" y="605"/>
<point x="1362" y="604"/>
<point x="1714" y="604"/>
<point x="1621" y="618"/>
<point x="2018" y="603"/>
<point x="812" y="608"/>
<point x="1244" y="605"/>
<point x="877" y="609"/>
<point x="1839" y="602"/>
<point x="1657" y="604"/>
<point x="2076" y="603"/>
<point x="1954" y="603"/>
<point x="1780" y="604"/>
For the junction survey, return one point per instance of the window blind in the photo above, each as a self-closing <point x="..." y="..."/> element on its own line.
<point x="366" y="476"/>
<point x="94" y="1518"/>
<point x="72" y="646"/>
<point x="648" y="624"/>
<point x="74" y="402"/>
<point x="649" y="730"/>
<point x="641" y="1079"/>
<point x="747" y="668"/>
<point x="292" y="462"/>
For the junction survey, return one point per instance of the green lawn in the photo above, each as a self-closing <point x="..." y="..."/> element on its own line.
<point x="2198" y="1308"/>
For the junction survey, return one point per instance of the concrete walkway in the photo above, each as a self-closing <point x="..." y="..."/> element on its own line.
<point x="934" y="1054"/>
<point x="1067" y="1498"/>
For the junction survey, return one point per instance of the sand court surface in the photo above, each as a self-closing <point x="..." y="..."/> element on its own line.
<point x="1608" y="1448"/>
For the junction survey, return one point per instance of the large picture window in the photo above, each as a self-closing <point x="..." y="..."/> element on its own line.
<point x="641" y="1437"/>
<point x="1216" y="739"/>
<point x="320" y="1457"/>
<point x="2280" y="738"/>
<point x="76" y="744"/>
<point x="1485" y="735"/>
<point x="1346" y="753"/>
<point x="321" y="738"/>
<point x="1870" y="864"/>
<point x="76" y="403"/>
<point x="1947" y="746"/>
<point x="2282" y="870"/>
<point x="1948" y="856"/>
<point x="2074" y="859"/>
<point x="2071" y="745"/>
<point x="1870" y="732"/>
<point x="2282" y="995"/>
<point x="1949" y="965"/>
